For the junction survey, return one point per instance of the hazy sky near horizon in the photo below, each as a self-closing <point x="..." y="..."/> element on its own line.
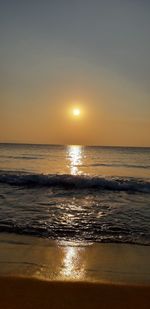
<point x="58" y="54"/>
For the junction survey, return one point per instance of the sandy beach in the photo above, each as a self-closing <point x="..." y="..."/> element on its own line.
<point x="37" y="273"/>
<point x="34" y="293"/>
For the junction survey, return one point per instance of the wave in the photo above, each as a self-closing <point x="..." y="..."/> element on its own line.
<point x="75" y="181"/>
<point x="145" y="166"/>
<point x="68" y="235"/>
<point x="21" y="157"/>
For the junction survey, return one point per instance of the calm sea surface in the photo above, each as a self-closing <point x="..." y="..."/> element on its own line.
<point x="77" y="193"/>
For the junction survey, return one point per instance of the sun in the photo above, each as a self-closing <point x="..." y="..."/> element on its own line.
<point x="76" y="112"/>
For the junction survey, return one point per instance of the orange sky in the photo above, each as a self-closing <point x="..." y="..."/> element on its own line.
<point x="56" y="56"/>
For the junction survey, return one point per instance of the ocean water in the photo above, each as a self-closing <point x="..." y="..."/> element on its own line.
<point x="76" y="193"/>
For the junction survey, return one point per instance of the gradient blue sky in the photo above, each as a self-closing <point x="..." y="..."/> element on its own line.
<point x="56" y="53"/>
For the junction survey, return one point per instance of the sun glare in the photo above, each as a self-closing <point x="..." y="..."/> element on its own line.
<point x="76" y="112"/>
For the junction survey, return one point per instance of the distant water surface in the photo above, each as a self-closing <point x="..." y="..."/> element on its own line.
<point x="76" y="193"/>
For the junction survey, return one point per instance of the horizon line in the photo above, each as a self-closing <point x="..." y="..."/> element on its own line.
<point x="53" y="144"/>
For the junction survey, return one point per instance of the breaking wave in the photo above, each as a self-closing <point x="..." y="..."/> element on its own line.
<point x="75" y="181"/>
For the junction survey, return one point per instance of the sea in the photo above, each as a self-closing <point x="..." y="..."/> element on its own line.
<point x="76" y="193"/>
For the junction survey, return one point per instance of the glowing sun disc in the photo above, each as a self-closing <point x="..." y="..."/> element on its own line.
<point x="76" y="112"/>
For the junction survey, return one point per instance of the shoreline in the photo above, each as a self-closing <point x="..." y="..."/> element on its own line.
<point x="53" y="260"/>
<point x="39" y="273"/>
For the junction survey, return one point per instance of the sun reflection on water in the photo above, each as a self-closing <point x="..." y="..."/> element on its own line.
<point x="72" y="268"/>
<point x="75" y="156"/>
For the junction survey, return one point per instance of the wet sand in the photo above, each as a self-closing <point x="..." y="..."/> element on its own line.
<point x="33" y="293"/>
<point x="38" y="273"/>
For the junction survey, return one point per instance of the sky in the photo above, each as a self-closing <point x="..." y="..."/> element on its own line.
<point x="59" y="54"/>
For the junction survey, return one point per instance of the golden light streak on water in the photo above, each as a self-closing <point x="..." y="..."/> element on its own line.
<point x="75" y="156"/>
